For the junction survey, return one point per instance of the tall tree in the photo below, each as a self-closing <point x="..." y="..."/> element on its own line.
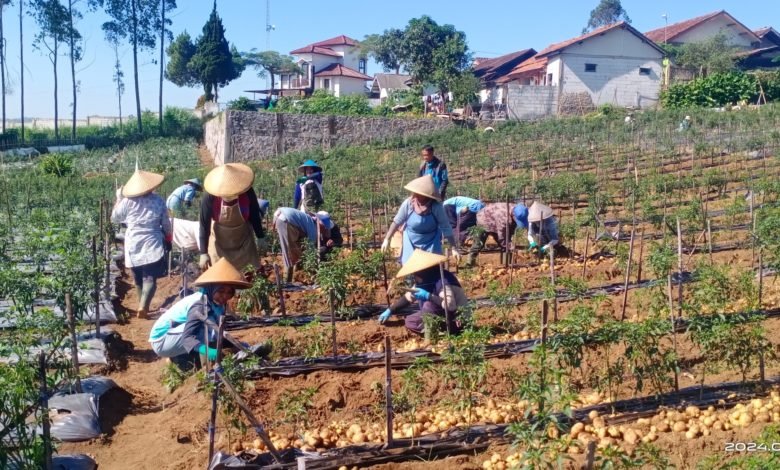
<point x="75" y="53"/>
<point x="133" y="20"/>
<point x="607" y="12"/>
<point x="215" y="62"/>
<point x="21" y="66"/>
<point x="713" y="55"/>
<point x="180" y="53"/>
<point x="52" y="19"/>
<point x="3" y="4"/>
<point x="385" y="48"/>
<point x="270" y="63"/>
<point x="165" y="7"/>
<point x="434" y="53"/>
<point x="113" y="38"/>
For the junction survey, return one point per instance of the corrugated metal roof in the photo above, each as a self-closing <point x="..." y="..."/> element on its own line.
<point x="392" y="81"/>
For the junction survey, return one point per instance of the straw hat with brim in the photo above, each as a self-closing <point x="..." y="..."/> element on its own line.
<point x="424" y="186"/>
<point x="230" y="179"/>
<point x="309" y="164"/>
<point x="142" y="182"/>
<point x="222" y="273"/>
<point x="538" y="212"/>
<point x="418" y="261"/>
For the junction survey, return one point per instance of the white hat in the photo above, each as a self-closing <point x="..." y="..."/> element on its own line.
<point x="538" y="212"/>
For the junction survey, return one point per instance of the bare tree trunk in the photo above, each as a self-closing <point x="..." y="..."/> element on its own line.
<point x="118" y="83"/>
<point x="2" y="61"/>
<point x="56" y="102"/>
<point x="162" y="60"/>
<point x="72" y="45"/>
<point x="134" y="32"/>
<point x="21" y="62"/>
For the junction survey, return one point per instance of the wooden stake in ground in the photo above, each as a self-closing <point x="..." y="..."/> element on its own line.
<point x="384" y="278"/>
<point x="552" y="282"/>
<point x="709" y="239"/>
<point x="628" y="276"/>
<point x="96" y="294"/>
<point x="45" y="424"/>
<point x="641" y="256"/>
<point x="447" y="314"/>
<point x="279" y="290"/>
<point x="215" y="392"/>
<point x="585" y="257"/>
<point x="388" y="391"/>
<point x="332" y="299"/>
<point x="760" y="278"/>
<point x="590" y="456"/>
<point x="507" y="251"/>
<point x="74" y="344"/>
<point x="679" y="270"/>
<point x="674" y="328"/>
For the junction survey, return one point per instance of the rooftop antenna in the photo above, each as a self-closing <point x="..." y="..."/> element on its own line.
<point x="665" y="16"/>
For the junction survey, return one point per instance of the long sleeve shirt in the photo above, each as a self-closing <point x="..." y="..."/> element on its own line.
<point x="147" y="223"/>
<point x="184" y="194"/>
<point x="437" y="210"/>
<point x="438" y="171"/>
<point x="249" y="206"/>
<point x="463" y="202"/>
<point x="298" y="219"/>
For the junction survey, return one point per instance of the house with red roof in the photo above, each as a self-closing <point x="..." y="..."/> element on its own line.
<point x="490" y="72"/>
<point x="614" y="64"/>
<point x="334" y="65"/>
<point x="704" y="27"/>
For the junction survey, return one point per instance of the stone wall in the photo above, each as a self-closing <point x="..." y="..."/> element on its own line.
<point x="234" y="136"/>
<point x="527" y="102"/>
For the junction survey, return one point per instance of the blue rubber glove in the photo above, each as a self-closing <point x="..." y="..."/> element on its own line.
<point x="532" y="245"/>
<point x="210" y="353"/>
<point x="422" y="294"/>
<point x="544" y="248"/>
<point x="384" y="316"/>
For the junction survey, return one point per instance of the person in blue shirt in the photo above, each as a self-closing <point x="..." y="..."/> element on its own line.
<point x="186" y="333"/>
<point x="296" y="228"/>
<point x="433" y="166"/>
<point x="462" y="213"/>
<point x="309" y="196"/>
<point x="424" y="221"/>
<point x="181" y="197"/>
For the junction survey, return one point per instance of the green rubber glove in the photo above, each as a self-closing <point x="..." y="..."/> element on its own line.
<point x="210" y="353"/>
<point x="532" y="246"/>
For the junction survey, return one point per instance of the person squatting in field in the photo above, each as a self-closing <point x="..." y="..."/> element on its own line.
<point x="187" y="332"/>
<point x="230" y="218"/>
<point x="424" y="220"/>
<point x="296" y="228"/>
<point x="148" y="235"/>
<point x="432" y="292"/>
<point x="542" y="228"/>
<point x="309" y="196"/>
<point x="181" y="198"/>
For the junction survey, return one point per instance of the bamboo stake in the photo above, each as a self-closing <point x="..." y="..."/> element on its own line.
<point x="389" y="392"/>
<point x="641" y="254"/>
<point x="679" y="269"/>
<point x="447" y="314"/>
<point x="507" y="251"/>
<point x="552" y="281"/>
<point x="74" y="344"/>
<point x="628" y="276"/>
<point x="760" y="277"/>
<point x="215" y="392"/>
<point x="96" y="279"/>
<point x="47" y="449"/>
<point x="585" y="257"/>
<point x="709" y="239"/>
<point x="279" y="290"/>
<point x="333" y="324"/>
<point x="674" y="329"/>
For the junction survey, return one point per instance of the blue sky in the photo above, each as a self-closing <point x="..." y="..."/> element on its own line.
<point x="492" y="28"/>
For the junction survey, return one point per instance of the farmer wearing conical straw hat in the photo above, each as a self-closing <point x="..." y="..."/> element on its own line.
<point x="436" y="290"/>
<point x="148" y="232"/>
<point x="179" y="334"/>
<point x="182" y="196"/>
<point x="424" y="219"/>
<point x="230" y="217"/>
<point x="542" y="228"/>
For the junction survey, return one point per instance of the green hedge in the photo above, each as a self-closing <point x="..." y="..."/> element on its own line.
<point x="718" y="89"/>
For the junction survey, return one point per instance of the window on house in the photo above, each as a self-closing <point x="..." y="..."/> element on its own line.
<point x="590" y="67"/>
<point x="326" y="83"/>
<point x="362" y="66"/>
<point x="549" y="79"/>
<point x="644" y="70"/>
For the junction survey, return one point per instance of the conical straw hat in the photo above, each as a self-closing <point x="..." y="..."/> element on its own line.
<point x="418" y="261"/>
<point x="222" y="273"/>
<point x="142" y="182"/>
<point x="230" y="179"/>
<point x="538" y="212"/>
<point x="424" y="186"/>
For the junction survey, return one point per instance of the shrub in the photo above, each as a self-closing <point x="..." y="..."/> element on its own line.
<point x="322" y="102"/>
<point x="719" y="89"/>
<point x="241" y="103"/>
<point x="58" y="164"/>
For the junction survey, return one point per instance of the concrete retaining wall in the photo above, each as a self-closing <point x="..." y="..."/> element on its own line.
<point x="240" y="136"/>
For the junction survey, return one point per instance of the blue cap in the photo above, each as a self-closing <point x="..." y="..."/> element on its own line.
<point x="324" y="217"/>
<point x="264" y="205"/>
<point x="520" y="214"/>
<point x="310" y="164"/>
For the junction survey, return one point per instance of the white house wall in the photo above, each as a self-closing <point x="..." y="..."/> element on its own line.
<point x="349" y="86"/>
<point x="711" y="28"/>
<point x="618" y="56"/>
<point x="553" y="71"/>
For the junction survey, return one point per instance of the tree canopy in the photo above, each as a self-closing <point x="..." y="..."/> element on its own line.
<point x="714" y="55"/>
<point x="606" y="13"/>
<point x="270" y="63"/>
<point x="385" y="49"/>
<point x="211" y="61"/>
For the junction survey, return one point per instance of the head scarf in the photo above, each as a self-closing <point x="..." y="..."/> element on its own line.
<point x="419" y="207"/>
<point x="209" y="291"/>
